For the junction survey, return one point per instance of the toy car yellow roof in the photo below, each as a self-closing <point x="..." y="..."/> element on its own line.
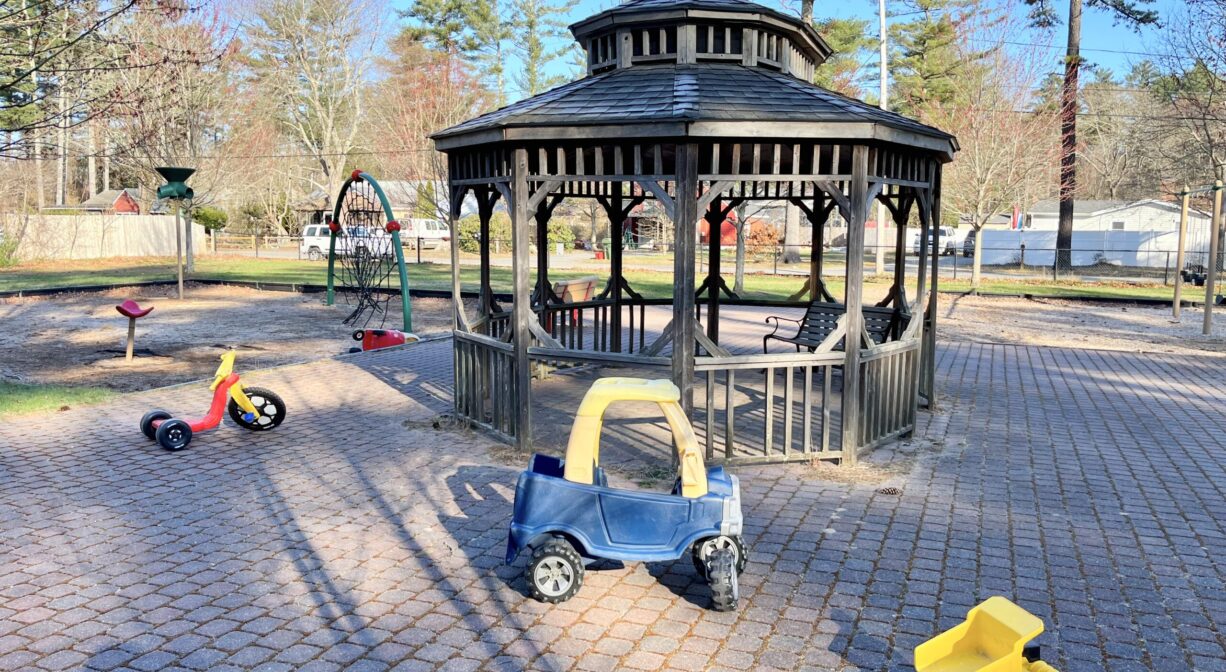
<point x="583" y="450"/>
<point x="608" y="390"/>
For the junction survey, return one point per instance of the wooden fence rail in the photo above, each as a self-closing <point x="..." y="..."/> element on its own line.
<point x="888" y="389"/>
<point x="796" y="417"/>
<point x="485" y="390"/>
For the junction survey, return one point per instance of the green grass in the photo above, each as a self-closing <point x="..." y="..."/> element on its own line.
<point x="21" y="398"/>
<point x="652" y="284"/>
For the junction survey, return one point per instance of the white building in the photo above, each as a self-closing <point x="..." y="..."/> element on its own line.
<point x="1136" y="233"/>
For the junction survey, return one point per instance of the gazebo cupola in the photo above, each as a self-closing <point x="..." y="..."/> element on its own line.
<point x="727" y="31"/>
<point x="699" y="106"/>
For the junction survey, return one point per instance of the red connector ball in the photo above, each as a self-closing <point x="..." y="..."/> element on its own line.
<point x="393" y="226"/>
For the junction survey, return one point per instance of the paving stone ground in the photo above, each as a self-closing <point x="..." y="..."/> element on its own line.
<point x="1087" y="485"/>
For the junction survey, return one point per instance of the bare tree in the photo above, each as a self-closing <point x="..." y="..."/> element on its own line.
<point x="1043" y="14"/>
<point x="424" y="91"/>
<point x="1003" y="153"/>
<point x="310" y="59"/>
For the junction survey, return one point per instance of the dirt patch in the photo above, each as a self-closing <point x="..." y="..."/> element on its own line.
<point x="1078" y="324"/>
<point x="78" y="338"/>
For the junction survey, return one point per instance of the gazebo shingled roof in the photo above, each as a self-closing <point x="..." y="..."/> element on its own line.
<point x="700" y="105"/>
<point x="694" y="93"/>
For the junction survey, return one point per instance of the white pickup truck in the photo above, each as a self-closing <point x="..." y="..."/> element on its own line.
<point x="951" y="240"/>
<point x="431" y="232"/>
<point x="315" y="242"/>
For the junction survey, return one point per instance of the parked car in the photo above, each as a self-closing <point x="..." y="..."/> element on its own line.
<point x="357" y="241"/>
<point x="968" y="245"/>
<point x="431" y="232"/>
<point x="948" y="240"/>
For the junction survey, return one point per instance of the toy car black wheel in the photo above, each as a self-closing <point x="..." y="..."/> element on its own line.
<point x="270" y="406"/>
<point x="555" y="573"/>
<point x="174" y="434"/>
<point x="701" y="552"/>
<point x="359" y="334"/>
<point x="723" y="579"/>
<point x="146" y="423"/>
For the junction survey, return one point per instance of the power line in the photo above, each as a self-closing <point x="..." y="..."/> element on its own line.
<point x="1057" y="47"/>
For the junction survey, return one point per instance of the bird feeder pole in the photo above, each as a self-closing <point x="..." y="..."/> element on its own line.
<point x="177" y="191"/>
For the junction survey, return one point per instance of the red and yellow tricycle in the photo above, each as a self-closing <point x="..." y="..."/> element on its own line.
<point x="252" y="408"/>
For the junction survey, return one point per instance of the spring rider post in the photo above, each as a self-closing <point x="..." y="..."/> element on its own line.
<point x="132" y="310"/>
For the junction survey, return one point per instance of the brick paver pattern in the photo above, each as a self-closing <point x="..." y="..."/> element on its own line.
<point x="1089" y="486"/>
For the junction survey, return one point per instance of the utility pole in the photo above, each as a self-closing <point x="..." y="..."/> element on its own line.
<point x="1212" y="266"/>
<point x="878" y="237"/>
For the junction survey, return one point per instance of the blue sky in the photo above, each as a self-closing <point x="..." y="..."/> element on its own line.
<point x="1103" y="42"/>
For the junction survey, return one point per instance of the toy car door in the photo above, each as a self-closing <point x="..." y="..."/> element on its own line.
<point x="643" y="519"/>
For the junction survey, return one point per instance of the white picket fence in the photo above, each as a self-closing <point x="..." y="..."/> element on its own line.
<point x="42" y="237"/>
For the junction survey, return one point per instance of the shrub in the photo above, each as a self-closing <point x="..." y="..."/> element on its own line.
<point x="209" y="217"/>
<point x="468" y="230"/>
<point x="8" y="251"/>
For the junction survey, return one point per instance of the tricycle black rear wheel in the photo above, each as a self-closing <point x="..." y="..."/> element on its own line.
<point x="722" y="577"/>
<point x="174" y="434"/>
<point x="270" y="406"/>
<point x="146" y="423"/>
<point x="702" y="549"/>
<point x="555" y="573"/>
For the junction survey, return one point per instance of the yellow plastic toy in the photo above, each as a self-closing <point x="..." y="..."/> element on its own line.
<point x="583" y="450"/>
<point x="991" y="639"/>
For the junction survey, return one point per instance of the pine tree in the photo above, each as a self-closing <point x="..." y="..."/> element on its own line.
<point x="929" y="61"/>
<point x="849" y="39"/>
<point x="535" y="26"/>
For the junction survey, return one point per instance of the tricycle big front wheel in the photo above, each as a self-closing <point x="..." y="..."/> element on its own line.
<point x="270" y="406"/>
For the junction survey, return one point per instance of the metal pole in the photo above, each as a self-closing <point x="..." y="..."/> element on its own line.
<point x="884" y="80"/>
<point x="1211" y="267"/>
<point x="1179" y="251"/>
<point x="178" y="250"/>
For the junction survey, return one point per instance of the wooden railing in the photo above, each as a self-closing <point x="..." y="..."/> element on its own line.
<point x="485" y="388"/>
<point x="588" y="325"/>
<point x="890" y="382"/>
<point x="888" y="377"/>
<point x="794" y="409"/>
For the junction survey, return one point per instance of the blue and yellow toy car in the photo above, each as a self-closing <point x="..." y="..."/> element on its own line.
<point x="565" y="511"/>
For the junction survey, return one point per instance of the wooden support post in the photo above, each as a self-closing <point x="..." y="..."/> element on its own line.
<point x="1211" y="268"/>
<point x="1185" y="197"/>
<point x="685" y="225"/>
<point x="485" y="210"/>
<point x="616" y="220"/>
<point x="930" y="326"/>
<point x="817" y="245"/>
<point x="522" y="310"/>
<point x="458" y="319"/>
<point x="542" y="256"/>
<point x="853" y="300"/>
<point x="900" y="251"/>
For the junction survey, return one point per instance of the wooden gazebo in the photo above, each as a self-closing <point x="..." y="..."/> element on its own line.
<point x="700" y="105"/>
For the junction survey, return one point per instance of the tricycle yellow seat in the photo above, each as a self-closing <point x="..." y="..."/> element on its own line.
<point x="991" y="639"/>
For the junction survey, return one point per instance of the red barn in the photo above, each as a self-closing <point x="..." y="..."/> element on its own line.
<point x="112" y="202"/>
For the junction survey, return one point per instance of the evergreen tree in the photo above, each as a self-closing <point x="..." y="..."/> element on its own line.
<point x="928" y="60"/>
<point x="851" y="42"/>
<point x="536" y="25"/>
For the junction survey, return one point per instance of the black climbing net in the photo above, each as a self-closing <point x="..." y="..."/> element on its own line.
<point x="366" y="257"/>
